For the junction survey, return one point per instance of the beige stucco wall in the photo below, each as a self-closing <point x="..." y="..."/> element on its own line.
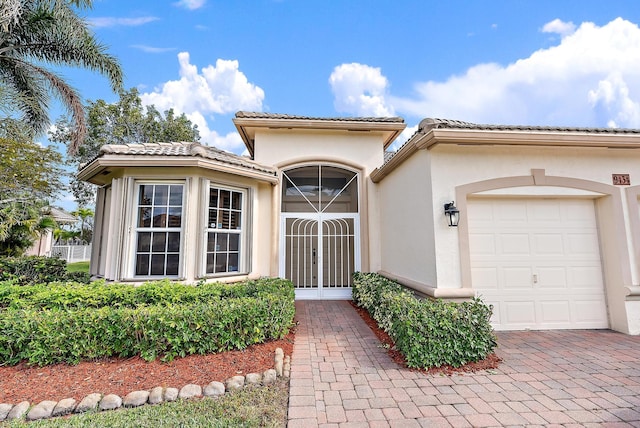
<point x="453" y="172"/>
<point x="358" y="151"/>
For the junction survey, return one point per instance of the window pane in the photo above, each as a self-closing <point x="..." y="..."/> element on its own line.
<point x="146" y="194"/>
<point x="175" y="216"/>
<point x="213" y="219"/>
<point x="161" y="195"/>
<point x="172" y="264"/>
<point x="159" y="242"/>
<point x="175" y="197"/>
<point x="226" y="220"/>
<point x="210" y="262"/>
<point x="221" y="262"/>
<point x="235" y="220"/>
<point x="225" y="199"/>
<point x="223" y="239"/>
<point x="144" y="242"/>
<point x="233" y="262"/>
<point x="236" y="202"/>
<point x="142" y="264"/>
<point x="157" y="264"/>
<point x="144" y="217"/>
<point x="173" y="242"/>
<point x="213" y="198"/>
<point x="234" y="241"/>
<point x="159" y="216"/>
<point x="211" y="242"/>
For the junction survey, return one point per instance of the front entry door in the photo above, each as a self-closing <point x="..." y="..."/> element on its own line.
<point x="320" y="261"/>
<point x="320" y="223"/>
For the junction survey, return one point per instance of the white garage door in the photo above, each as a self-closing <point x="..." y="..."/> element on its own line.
<point x="537" y="261"/>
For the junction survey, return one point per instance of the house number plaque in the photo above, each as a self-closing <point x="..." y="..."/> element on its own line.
<point x="621" y="180"/>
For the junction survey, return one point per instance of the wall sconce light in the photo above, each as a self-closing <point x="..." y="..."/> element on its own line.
<point x="452" y="213"/>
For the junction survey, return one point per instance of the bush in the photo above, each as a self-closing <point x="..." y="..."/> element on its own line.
<point x="37" y="270"/>
<point x="78" y="328"/>
<point x="429" y="333"/>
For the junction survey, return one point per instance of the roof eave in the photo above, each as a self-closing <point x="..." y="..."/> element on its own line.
<point x="522" y="138"/>
<point x="246" y="127"/>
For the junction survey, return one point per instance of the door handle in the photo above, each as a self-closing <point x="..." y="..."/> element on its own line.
<point x="535" y="278"/>
<point x="314" y="256"/>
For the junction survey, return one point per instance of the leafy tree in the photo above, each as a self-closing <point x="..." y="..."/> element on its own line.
<point x="127" y="121"/>
<point x="30" y="175"/>
<point x="35" y="34"/>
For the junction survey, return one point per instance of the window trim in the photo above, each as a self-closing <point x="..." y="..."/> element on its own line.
<point x="136" y="229"/>
<point x="244" y="248"/>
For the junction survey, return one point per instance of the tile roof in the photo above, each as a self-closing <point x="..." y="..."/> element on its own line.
<point x="185" y="149"/>
<point x="435" y="123"/>
<point x="262" y="115"/>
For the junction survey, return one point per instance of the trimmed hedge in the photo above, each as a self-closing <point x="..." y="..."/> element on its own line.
<point x="429" y="333"/>
<point x="38" y="270"/>
<point x="258" y="311"/>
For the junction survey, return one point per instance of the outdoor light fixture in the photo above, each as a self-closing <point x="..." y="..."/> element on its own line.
<point x="453" y="213"/>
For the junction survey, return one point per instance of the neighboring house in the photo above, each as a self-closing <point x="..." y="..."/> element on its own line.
<point x="42" y="246"/>
<point x="549" y="224"/>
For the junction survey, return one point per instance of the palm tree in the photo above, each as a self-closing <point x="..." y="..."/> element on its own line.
<point x="84" y="214"/>
<point x="39" y="33"/>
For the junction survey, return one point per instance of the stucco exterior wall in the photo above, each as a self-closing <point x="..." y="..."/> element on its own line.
<point x="407" y="221"/>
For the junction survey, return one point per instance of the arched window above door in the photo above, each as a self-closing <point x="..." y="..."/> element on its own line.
<point x="319" y="188"/>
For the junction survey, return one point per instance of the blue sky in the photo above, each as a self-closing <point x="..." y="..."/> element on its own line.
<point x="567" y="62"/>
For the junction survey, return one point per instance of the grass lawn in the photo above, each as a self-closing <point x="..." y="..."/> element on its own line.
<point x="78" y="267"/>
<point x="251" y="407"/>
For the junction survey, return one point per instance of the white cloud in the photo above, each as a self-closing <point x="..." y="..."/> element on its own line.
<point x="110" y="21"/>
<point x="152" y="49"/>
<point x="360" y="90"/>
<point x="591" y="78"/>
<point x="190" y="4"/>
<point x="220" y="89"/>
<point x="559" y="27"/>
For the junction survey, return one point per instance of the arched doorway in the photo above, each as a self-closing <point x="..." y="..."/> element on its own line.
<point x="320" y="227"/>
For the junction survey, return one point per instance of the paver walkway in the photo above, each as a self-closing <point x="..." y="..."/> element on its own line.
<point x="341" y="377"/>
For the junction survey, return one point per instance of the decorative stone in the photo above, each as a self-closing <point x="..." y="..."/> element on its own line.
<point x="286" y="369"/>
<point x="214" y="389"/>
<point x="253" y="379"/>
<point x="189" y="391"/>
<point x="18" y="411"/>
<point x="235" y="383"/>
<point x="171" y="394"/>
<point x="90" y="402"/>
<point x="42" y="410"/>
<point x="64" y="407"/>
<point x="279" y="361"/>
<point x="135" y="398"/>
<point x="269" y="377"/>
<point x="155" y="396"/>
<point x="110" y="402"/>
<point x="4" y="411"/>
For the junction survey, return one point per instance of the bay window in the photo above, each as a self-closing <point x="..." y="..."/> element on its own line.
<point x="225" y="230"/>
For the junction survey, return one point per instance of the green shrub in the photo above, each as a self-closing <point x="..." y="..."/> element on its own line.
<point x="38" y="270"/>
<point x="75" y="331"/>
<point x="429" y="333"/>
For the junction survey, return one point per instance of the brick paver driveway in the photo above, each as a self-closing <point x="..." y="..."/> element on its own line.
<point x="341" y="377"/>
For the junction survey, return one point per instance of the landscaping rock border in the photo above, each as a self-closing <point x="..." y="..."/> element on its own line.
<point x="96" y="401"/>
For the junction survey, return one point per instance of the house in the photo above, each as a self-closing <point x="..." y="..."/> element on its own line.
<point x="548" y="227"/>
<point x="43" y="245"/>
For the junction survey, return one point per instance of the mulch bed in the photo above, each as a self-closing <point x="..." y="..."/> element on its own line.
<point x="122" y="375"/>
<point x="491" y="362"/>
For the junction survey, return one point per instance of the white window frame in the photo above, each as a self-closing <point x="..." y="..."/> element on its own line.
<point x="139" y="229"/>
<point x="243" y="248"/>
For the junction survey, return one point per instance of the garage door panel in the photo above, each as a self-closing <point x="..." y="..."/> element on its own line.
<point x="514" y="243"/>
<point x="538" y="262"/>
<point x="547" y="244"/>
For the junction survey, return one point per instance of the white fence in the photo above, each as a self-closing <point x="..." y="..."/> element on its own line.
<point x="72" y="253"/>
